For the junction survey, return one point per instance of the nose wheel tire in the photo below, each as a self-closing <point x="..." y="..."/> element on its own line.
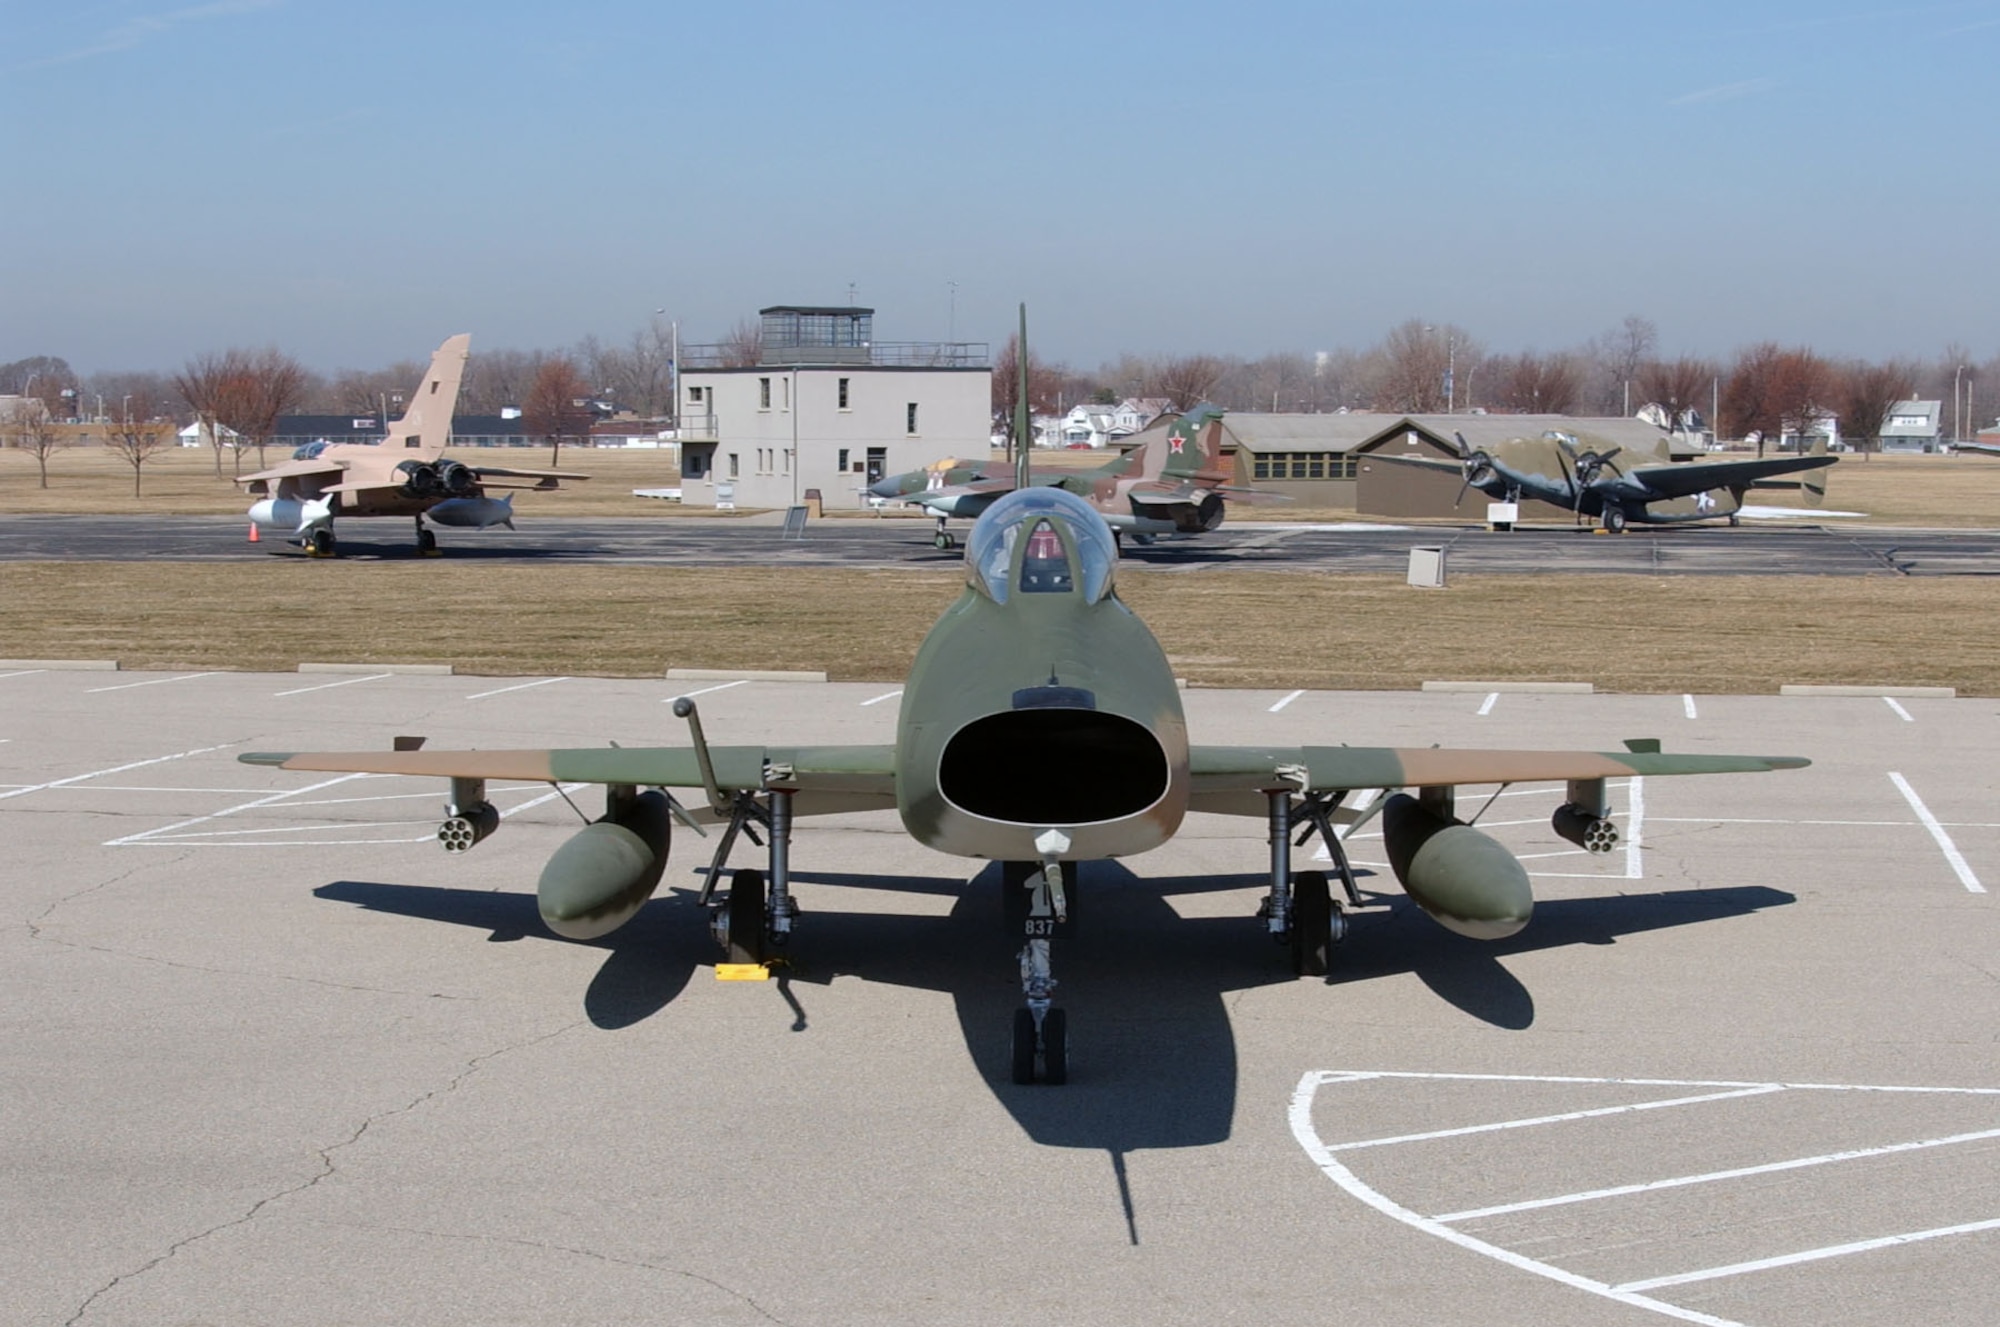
<point x="1044" y="1058"/>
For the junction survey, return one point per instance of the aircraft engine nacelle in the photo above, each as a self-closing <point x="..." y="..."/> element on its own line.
<point x="467" y="825"/>
<point x="456" y="479"/>
<point x="1466" y="881"/>
<point x="1585" y="828"/>
<point x="605" y="872"/>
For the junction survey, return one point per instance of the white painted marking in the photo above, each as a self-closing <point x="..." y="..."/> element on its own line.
<point x="1809" y="1255"/>
<point x="1687" y="703"/>
<point x="1891" y="702"/>
<point x="705" y="690"/>
<point x="1286" y="701"/>
<point x="1681" y="1181"/>
<point x="1308" y="1138"/>
<point x="150" y="682"/>
<point x="1755" y="1090"/>
<point x="145" y="834"/>
<point x="545" y="797"/>
<point x="1492" y="697"/>
<point x="887" y="695"/>
<point x="115" y="769"/>
<point x="521" y="686"/>
<point x="1951" y="853"/>
<point x="324" y="686"/>
<point x="25" y="672"/>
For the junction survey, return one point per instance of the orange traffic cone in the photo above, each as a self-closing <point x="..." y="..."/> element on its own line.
<point x="254" y="536"/>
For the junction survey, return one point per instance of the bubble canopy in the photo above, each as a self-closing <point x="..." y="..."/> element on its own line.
<point x="1040" y="541"/>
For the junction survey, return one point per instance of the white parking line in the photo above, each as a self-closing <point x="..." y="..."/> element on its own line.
<point x="324" y="686"/>
<point x="1635" y="828"/>
<point x="115" y="769"/>
<point x="1808" y="1255"/>
<point x="1681" y="1181"/>
<point x="890" y="695"/>
<point x="724" y="686"/>
<point x="150" y="682"/>
<point x="166" y="830"/>
<point x="1286" y="701"/>
<point x="1491" y="698"/>
<point x="1951" y="853"/>
<point x="25" y="672"/>
<point x="1687" y="702"/>
<point x="1755" y="1090"/>
<point x="1890" y="701"/>
<point x="522" y="686"/>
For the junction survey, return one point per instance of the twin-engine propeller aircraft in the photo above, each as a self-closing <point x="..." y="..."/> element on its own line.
<point x="408" y="475"/>
<point x="1041" y="727"/>
<point x="1173" y="483"/>
<point x="1602" y="482"/>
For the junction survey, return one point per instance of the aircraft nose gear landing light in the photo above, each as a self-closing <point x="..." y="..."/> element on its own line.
<point x="1041" y="1031"/>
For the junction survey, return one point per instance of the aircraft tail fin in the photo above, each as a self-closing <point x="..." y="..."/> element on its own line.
<point x="426" y="423"/>
<point x="1194" y="447"/>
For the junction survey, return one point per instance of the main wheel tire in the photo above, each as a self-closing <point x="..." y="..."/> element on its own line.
<point x="427" y="542"/>
<point x="1614" y="520"/>
<point x="323" y="543"/>
<point x="746" y="916"/>
<point x="1055" y="1048"/>
<point x="1312" y="924"/>
<point x="1024" y="1047"/>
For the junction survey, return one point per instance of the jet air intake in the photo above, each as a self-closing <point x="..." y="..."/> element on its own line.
<point x="1052" y="765"/>
<point x="1466" y="881"/>
<point x="605" y="872"/>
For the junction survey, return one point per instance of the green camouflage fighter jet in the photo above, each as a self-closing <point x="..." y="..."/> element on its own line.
<point x="1174" y="482"/>
<point x="1041" y="726"/>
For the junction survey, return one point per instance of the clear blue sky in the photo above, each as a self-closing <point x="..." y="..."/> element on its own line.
<point x="351" y="180"/>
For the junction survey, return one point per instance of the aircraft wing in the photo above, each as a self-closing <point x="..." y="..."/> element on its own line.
<point x="500" y="472"/>
<point x="827" y="778"/>
<point x="1163" y="494"/>
<point x="1691" y="477"/>
<point x="1984" y="449"/>
<point x="1231" y="780"/>
<point x="292" y="469"/>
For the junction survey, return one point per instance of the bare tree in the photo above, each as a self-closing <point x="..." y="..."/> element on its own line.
<point x="1416" y="366"/>
<point x="1864" y="394"/>
<point x="1045" y="383"/>
<point x="1533" y="384"/>
<point x="1677" y="386"/>
<point x="243" y="391"/>
<point x="743" y="348"/>
<point x="496" y="379"/>
<point x="364" y="392"/>
<point x="558" y="405"/>
<point x="1748" y="405"/>
<point x="1801" y="392"/>
<point x="31" y="428"/>
<point x="206" y="385"/>
<point x="274" y="383"/>
<point x="141" y="430"/>
<point x="1188" y="380"/>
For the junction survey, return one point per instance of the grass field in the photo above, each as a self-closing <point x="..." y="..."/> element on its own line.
<point x="1264" y="629"/>
<point x="1269" y="629"/>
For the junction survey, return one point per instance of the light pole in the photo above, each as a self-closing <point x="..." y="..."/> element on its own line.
<point x="125" y="408"/>
<point x="673" y="366"/>
<point x="1957" y="414"/>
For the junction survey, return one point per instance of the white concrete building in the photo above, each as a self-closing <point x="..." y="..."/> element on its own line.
<point x="825" y="408"/>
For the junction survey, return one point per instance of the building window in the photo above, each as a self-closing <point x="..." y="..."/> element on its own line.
<point x="786" y="385"/>
<point x="763" y="393"/>
<point x="842" y="467"/>
<point x="1302" y="465"/>
<point x="910" y="419"/>
<point x="843" y="406"/>
<point x="732" y="465"/>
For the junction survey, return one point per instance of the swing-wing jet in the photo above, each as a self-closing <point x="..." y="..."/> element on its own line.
<point x="1041" y="726"/>
<point x="407" y="475"/>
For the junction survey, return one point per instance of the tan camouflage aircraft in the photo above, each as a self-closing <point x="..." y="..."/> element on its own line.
<point x="408" y="474"/>
<point x="1173" y="483"/>
<point x="1041" y="727"/>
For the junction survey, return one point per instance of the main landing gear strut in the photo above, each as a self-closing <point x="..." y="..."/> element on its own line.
<point x="944" y="540"/>
<point x="1301" y="911"/>
<point x="754" y="917"/>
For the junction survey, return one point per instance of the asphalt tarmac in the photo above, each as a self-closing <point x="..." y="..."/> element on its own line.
<point x="271" y="1057"/>
<point x="1826" y="549"/>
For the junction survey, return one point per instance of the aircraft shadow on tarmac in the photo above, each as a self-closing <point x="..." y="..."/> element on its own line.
<point x="1154" y="1063"/>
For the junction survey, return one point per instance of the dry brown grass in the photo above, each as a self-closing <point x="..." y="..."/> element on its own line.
<point x="1958" y="491"/>
<point x="1277" y="629"/>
